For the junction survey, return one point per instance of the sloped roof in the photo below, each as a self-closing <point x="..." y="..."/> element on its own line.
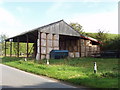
<point x="95" y="41"/>
<point x="61" y="28"/>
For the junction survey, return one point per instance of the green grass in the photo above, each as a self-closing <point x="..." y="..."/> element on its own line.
<point x="109" y="35"/>
<point x="78" y="71"/>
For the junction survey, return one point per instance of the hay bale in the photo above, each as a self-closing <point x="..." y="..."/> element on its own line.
<point x="43" y="57"/>
<point x="43" y="50"/>
<point x="71" y="54"/>
<point x="47" y="56"/>
<point x="56" y="48"/>
<point x="43" y="35"/>
<point x="56" y="37"/>
<point x="83" y="49"/>
<point x="49" y="49"/>
<point x="43" y="42"/>
<point x="49" y="36"/>
<point x="82" y="54"/>
<point x="56" y="43"/>
<point x="49" y="43"/>
<point x="77" y="54"/>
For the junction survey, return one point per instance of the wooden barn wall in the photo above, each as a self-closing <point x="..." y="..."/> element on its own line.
<point x="60" y="28"/>
<point x="65" y="29"/>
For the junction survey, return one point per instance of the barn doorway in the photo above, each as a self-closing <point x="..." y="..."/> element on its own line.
<point x="71" y="44"/>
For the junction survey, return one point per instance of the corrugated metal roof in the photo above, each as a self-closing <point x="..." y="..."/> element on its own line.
<point x="33" y="32"/>
<point x="40" y="28"/>
<point x="90" y="38"/>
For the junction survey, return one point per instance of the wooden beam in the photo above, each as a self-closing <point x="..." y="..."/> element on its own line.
<point x="53" y="41"/>
<point x="65" y="42"/>
<point x="17" y="46"/>
<point x="40" y="43"/>
<point x="73" y="42"/>
<point x="78" y="41"/>
<point x="80" y="47"/>
<point x="85" y="48"/>
<point x="27" y="45"/>
<point x="10" y="48"/>
<point x="5" y="48"/>
<point x="46" y="44"/>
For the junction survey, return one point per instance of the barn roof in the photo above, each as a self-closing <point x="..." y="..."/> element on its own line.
<point x="94" y="41"/>
<point x="59" y="27"/>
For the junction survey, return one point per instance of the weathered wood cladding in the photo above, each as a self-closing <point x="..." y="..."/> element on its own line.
<point x="60" y="28"/>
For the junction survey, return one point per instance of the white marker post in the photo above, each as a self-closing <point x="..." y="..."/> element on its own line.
<point x="47" y="62"/>
<point x="95" y="67"/>
<point x="25" y="59"/>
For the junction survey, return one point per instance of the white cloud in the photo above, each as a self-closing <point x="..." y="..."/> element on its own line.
<point x="8" y="22"/>
<point x="107" y="21"/>
<point x="7" y="18"/>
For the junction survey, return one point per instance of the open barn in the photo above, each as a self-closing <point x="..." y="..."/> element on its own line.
<point x="55" y="36"/>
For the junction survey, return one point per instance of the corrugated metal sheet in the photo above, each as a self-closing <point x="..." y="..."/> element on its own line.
<point x="61" y="28"/>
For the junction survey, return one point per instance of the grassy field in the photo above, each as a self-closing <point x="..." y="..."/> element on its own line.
<point x="109" y="35"/>
<point x="78" y="71"/>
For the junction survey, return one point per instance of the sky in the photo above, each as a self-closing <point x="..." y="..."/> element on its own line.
<point x="17" y="16"/>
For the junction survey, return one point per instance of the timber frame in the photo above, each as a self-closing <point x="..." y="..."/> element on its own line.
<point x="55" y="36"/>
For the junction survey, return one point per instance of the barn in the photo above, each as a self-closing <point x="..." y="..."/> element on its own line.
<point x="55" y="36"/>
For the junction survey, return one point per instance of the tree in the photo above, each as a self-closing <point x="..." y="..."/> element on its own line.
<point x="2" y="39"/>
<point x="77" y="27"/>
<point x="112" y="44"/>
<point x="102" y="36"/>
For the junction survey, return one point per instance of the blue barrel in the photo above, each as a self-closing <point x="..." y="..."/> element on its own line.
<point x="58" y="54"/>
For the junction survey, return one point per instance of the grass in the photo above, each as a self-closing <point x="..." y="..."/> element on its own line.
<point x="78" y="71"/>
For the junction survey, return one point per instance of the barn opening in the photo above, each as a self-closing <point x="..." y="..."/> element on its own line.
<point x="70" y="43"/>
<point x="55" y="36"/>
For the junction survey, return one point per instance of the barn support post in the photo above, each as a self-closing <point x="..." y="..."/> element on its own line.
<point x="17" y="46"/>
<point x="10" y="47"/>
<point x="38" y="56"/>
<point x="5" y="48"/>
<point x="47" y="45"/>
<point x="73" y="48"/>
<point x="85" y="48"/>
<point x="53" y="41"/>
<point x="27" y="45"/>
<point x="78" y="41"/>
<point x="80" y="46"/>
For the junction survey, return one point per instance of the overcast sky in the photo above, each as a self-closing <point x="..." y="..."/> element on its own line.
<point x="23" y="15"/>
